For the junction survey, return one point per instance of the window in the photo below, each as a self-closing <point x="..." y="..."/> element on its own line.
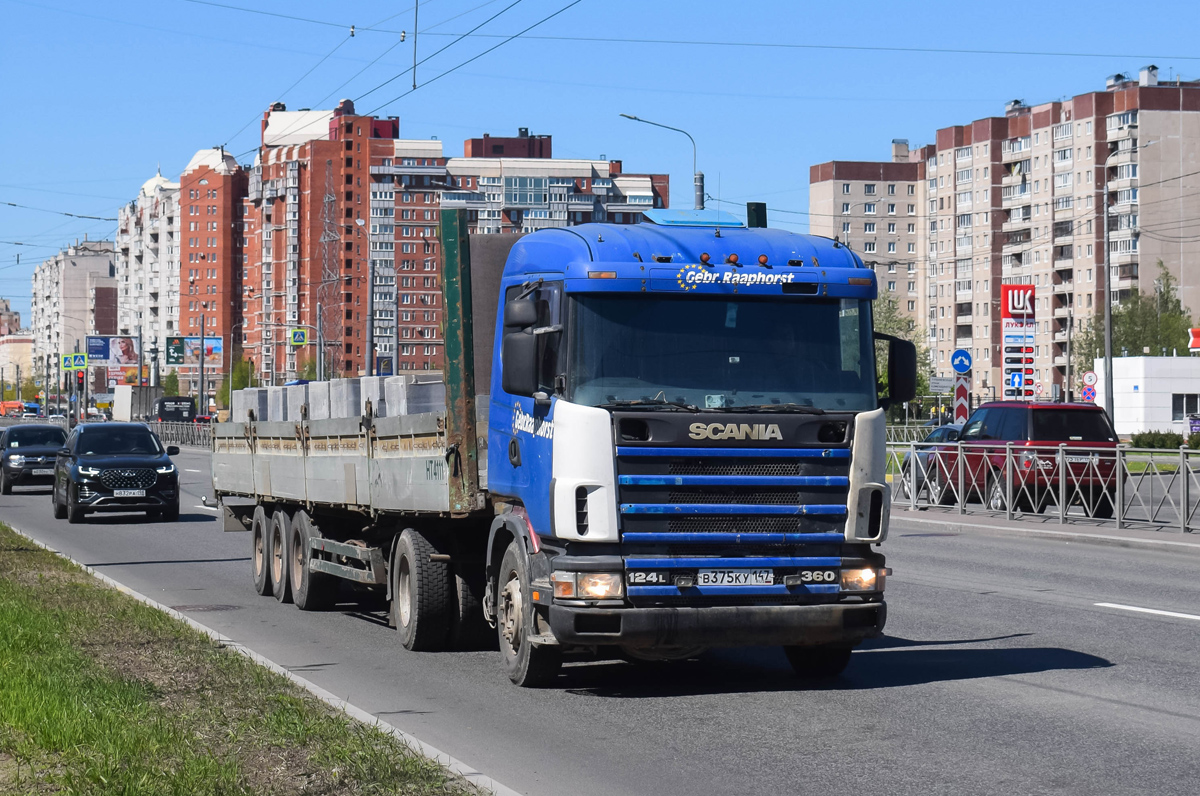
<point x="962" y="175"/>
<point x="912" y="190"/>
<point x="869" y="189"/>
<point x="891" y="247"/>
<point x="912" y="228"/>
<point x="869" y="228"/>
<point x="891" y="229"/>
<point x="891" y="190"/>
<point x="869" y="208"/>
<point x="845" y="187"/>
<point x="846" y="227"/>
<point x="845" y="208"/>
<point x="869" y="247"/>
<point x="912" y="209"/>
<point x="912" y="248"/>
<point x="891" y="209"/>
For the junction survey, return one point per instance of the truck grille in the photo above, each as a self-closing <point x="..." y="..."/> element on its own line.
<point x="728" y="467"/>
<point x="128" y="478"/>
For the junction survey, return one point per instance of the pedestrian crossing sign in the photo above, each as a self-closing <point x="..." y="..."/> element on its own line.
<point x="299" y="336"/>
<point x="74" y="362"/>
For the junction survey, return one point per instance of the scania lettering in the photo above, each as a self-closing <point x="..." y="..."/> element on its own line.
<point x="648" y="440"/>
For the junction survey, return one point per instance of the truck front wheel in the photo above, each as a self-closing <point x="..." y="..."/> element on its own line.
<point x="818" y="662"/>
<point x="422" y="597"/>
<point x="528" y="665"/>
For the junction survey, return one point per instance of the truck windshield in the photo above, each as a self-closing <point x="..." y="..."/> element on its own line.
<point x="712" y="352"/>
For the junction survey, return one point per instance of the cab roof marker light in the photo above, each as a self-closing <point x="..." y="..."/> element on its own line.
<point x="704" y="258"/>
<point x="602" y="274"/>
<point x="762" y="260"/>
<point x="732" y="259"/>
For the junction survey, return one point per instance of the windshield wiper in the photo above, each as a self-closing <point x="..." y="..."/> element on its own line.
<point x="799" y="409"/>
<point x="653" y="403"/>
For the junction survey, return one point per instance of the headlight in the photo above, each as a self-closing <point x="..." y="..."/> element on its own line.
<point x="89" y="471"/>
<point x="858" y="579"/>
<point x="588" y="585"/>
<point x="16" y="460"/>
<point x="170" y="468"/>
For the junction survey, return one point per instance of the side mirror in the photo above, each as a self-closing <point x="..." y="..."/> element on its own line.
<point x="520" y="314"/>
<point x="172" y="450"/>
<point x="951" y="435"/>
<point x="64" y="451"/>
<point x="901" y="372"/>
<point x="518" y="358"/>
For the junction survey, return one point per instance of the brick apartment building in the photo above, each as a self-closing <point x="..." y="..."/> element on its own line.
<point x="335" y="197"/>
<point x="1019" y="199"/>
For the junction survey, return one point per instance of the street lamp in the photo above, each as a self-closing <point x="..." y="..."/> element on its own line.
<point x="1108" y="274"/>
<point x="698" y="177"/>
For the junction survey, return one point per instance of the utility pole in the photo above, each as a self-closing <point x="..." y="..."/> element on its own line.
<point x="58" y="384"/>
<point x="46" y="385"/>
<point x="1070" y="324"/>
<point x="697" y="175"/>
<point x="203" y="402"/>
<point x="320" y="346"/>
<point x="18" y="395"/>
<point x="141" y="358"/>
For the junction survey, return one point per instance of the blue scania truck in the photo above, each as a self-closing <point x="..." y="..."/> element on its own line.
<point x="679" y="445"/>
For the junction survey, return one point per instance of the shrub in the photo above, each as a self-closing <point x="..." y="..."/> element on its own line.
<point x="1160" y="439"/>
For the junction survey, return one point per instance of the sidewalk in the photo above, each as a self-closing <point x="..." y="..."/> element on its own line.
<point x="1081" y="531"/>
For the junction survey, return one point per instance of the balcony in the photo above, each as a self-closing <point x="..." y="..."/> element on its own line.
<point x="1060" y="361"/>
<point x="1063" y="311"/>
<point x="1060" y="337"/>
<point x="963" y="342"/>
<point x="1123" y="258"/>
<point x="1016" y="224"/>
<point x="963" y="320"/>
<point x="1065" y="286"/>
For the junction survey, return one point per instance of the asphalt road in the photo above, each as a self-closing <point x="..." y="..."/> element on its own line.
<point x="999" y="674"/>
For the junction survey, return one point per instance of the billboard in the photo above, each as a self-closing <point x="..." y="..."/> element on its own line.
<point x="1017" y="329"/>
<point x="186" y="351"/>
<point x="112" y="351"/>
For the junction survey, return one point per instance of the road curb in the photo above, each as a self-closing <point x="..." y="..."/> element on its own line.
<point x="1164" y="545"/>
<point x="468" y="773"/>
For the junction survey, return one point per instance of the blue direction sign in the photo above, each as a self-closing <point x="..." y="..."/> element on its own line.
<point x="960" y="360"/>
<point x="299" y="336"/>
<point x="1016" y="381"/>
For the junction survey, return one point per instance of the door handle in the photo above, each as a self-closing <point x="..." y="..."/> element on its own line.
<point x="514" y="452"/>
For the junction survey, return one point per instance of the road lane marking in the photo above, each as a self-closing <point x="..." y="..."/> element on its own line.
<point x="193" y="471"/>
<point x="208" y="508"/>
<point x="1154" y="611"/>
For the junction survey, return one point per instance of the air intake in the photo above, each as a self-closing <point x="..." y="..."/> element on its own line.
<point x="581" y="511"/>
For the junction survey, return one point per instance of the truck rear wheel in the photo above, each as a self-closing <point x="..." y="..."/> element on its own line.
<point x="311" y="591"/>
<point x="528" y="665"/>
<point x="818" y="663"/>
<point x="422" y="600"/>
<point x="468" y="629"/>
<point x="260" y="533"/>
<point x="280" y="540"/>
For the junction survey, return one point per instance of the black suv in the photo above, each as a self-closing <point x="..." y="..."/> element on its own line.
<point x="115" y="467"/>
<point x="27" y="454"/>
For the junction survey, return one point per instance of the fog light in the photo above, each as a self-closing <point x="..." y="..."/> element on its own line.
<point x="858" y="580"/>
<point x="564" y="584"/>
<point x="600" y="585"/>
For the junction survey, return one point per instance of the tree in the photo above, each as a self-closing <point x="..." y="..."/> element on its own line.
<point x="309" y="370"/>
<point x="889" y="320"/>
<point x="1154" y="320"/>
<point x="243" y="377"/>
<point x="29" y="390"/>
<point x="170" y="383"/>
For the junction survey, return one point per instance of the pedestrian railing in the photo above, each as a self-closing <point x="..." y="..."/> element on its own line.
<point x="1131" y="487"/>
<point x="197" y="435"/>
<point x="908" y="433"/>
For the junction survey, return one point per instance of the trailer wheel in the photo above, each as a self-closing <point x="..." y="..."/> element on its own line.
<point x="422" y="602"/>
<point x="818" y="663"/>
<point x="311" y="591"/>
<point x="469" y="630"/>
<point x="260" y="533"/>
<point x="528" y="665"/>
<point x="281" y="538"/>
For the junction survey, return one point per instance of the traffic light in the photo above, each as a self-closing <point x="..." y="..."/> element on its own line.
<point x="79" y="379"/>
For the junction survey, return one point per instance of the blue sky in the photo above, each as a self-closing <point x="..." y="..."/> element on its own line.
<point x="97" y="95"/>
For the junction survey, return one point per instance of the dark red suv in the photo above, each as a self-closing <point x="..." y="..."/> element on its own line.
<point x="1059" y="453"/>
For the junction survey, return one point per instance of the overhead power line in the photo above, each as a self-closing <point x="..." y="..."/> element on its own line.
<point x="58" y="212"/>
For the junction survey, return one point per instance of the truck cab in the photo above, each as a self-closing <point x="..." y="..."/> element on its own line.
<point x="686" y="444"/>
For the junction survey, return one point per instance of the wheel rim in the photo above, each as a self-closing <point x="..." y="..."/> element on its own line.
<point x="996" y="500"/>
<point x="297" y="559"/>
<point x="511" y="612"/>
<point x="258" y="552"/>
<point x="277" y="556"/>
<point x="403" y="596"/>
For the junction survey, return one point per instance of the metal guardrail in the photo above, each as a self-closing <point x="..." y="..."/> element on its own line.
<point x="1131" y="487"/>
<point x="908" y="433"/>
<point x="197" y="435"/>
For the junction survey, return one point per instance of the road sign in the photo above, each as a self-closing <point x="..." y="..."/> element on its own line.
<point x="962" y="398"/>
<point x="1193" y="339"/>
<point x="941" y="385"/>
<point x="960" y="360"/>
<point x="1038" y="388"/>
<point x="1090" y="378"/>
<point x="298" y="336"/>
<point x="74" y="361"/>
<point x="1088" y="394"/>
<point x="384" y="365"/>
<point x="1016" y="380"/>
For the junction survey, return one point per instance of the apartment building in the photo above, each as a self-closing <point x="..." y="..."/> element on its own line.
<point x="74" y="295"/>
<point x="1022" y="199"/>
<point x="10" y="319"/>
<point x="208" y="278"/>
<point x="147" y="263"/>
<point x="340" y="207"/>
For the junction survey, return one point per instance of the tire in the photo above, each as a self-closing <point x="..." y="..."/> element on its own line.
<point x="905" y="475"/>
<point x="468" y="628"/>
<point x="1105" y="506"/>
<point x="311" y="591"/>
<point x="997" y="500"/>
<point x="940" y="493"/>
<point x="170" y="514"/>
<point x="528" y="665"/>
<point x="60" y="511"/>
<point x="818" y="663"/>
<point x="5" y="483"/>
<point x="277" y="558"/>
<point x="422" y="599"/>
<point x="75" y="512"/>
<point x="260" y="532"/>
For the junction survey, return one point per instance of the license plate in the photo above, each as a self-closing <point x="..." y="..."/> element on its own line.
<point x="735" y="577"/>
<point x="129" y="493"/>
<point x="1079" y="459"/>
<point x="43" y="471"/>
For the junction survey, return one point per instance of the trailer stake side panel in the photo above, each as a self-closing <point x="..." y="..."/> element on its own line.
<point x="408" y="464"/>
<point x="279" y="461"/>
<point x="232" y="462"/>
<point x="336" y="461"/>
